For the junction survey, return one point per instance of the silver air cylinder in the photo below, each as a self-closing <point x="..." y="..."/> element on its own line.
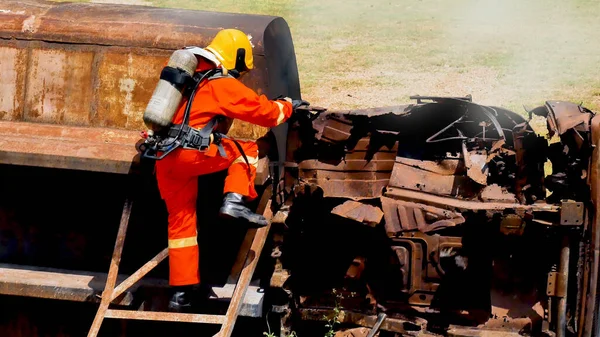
<point x="167" y="95"/>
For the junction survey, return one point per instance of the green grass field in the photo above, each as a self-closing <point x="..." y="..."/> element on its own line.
<point x="354" y="54"/>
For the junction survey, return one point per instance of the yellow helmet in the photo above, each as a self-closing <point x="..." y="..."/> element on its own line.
<point x="233" y="49"/>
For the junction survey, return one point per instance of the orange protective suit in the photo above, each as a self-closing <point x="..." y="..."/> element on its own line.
<point x="177" y="173"/>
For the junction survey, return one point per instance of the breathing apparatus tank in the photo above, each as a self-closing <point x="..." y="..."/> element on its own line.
<point x="169" y="91"/>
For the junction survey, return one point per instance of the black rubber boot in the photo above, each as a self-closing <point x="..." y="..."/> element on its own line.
<point x="234" y="207"/>
<point x="190" y="299"/>
<point x="181" y="301"/>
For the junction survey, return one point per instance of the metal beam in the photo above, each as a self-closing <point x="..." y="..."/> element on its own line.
<point x="61" y="284"/>
<point x="165" y="316"/>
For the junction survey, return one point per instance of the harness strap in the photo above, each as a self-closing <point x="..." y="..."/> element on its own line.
<point x="187" y="137"/>
<point x="239" y="147"/>
<point x="201" y="139"/>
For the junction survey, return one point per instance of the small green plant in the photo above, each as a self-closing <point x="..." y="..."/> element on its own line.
<point x="332" y="322"/>
<point x="271" y="334"/>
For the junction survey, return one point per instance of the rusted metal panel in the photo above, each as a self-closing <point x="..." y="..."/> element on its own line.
<point x="444" y="167"/>
<point x="512" y="224"/>
<point x="13" y="63"/>
<point x="476" y="163"/>
<point x="571" y="213"/>
<point x="567" y="115"/>
<point x="496" y="193"/>
<point x="453" y="203"/>
<point x="344" y="175"/>
<point x="401" y="216"/>
<point x="459" y="331"/>
<point x="122" y="25"/>
<point x="348" y="165"/>
<point x="408" y="177"/>
<point x="353" y="178"/>
<point x="589" y="311"/>
<point x="370" y="215"/>
<point x="336" y="130"/>
<point x="59" y="87"/>
<point x="83" y="148"/>
<point x="354" y="189"/>
<point x="125" y="82"/>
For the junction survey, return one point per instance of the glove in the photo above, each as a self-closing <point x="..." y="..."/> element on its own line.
<point x="296" y="103"/>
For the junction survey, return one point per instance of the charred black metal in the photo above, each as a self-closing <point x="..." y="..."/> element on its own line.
<point x="468" y="235"/>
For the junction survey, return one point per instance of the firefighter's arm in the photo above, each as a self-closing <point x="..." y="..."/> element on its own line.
<point x="240" y="102"/>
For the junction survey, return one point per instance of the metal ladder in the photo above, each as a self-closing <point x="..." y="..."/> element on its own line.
<point x="241" y="274"/>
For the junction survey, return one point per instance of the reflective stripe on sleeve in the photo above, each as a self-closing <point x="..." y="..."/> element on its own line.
<point x="251" y="160"/>
<point x="281" y="116"/>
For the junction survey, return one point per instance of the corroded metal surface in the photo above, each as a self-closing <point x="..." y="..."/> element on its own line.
<point x="563" y="116"/>
<point x="59" y="146"/>
<point x="341" y="163"/>
<point x="367" y="214"/>
<point x="466" y="204"/>
<point x="590" y="325"/>
<point x="165" y="316"/>
<point x="61" y="284"/>
<point x="113" y="270"/>
<point x="472" y="230"/>
<point x="100" y="70"/>
<point x="402" y="216"/>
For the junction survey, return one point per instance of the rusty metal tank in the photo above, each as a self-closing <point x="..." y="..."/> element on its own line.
<point x="75" y="79"/>
<point x="77" y="66"/>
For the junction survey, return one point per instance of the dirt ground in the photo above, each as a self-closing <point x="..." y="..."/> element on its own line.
<point x="358" y="54"/>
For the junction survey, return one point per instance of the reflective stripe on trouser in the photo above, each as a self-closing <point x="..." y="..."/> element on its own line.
<point x="177" y="176"/>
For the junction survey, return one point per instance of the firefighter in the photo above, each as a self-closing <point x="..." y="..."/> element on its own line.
<point x="177" y="173"/>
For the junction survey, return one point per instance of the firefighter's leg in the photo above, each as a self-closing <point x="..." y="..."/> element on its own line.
<point x="179" y="193"/>
<point x="239" y="184"/>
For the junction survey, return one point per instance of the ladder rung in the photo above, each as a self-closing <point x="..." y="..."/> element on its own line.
<point x="165" y="316"/>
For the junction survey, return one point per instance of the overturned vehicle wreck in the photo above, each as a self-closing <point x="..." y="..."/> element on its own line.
<point x="443" y="216"/>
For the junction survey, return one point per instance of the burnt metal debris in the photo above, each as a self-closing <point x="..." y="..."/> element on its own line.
<point x="475" y="230"/>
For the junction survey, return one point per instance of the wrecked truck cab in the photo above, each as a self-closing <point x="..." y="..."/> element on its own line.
<point x="442" y="215"/>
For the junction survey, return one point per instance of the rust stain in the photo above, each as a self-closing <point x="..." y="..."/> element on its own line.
<point x="130" y="45"/>
<point x="48" y="145"/>
<point x="367" y="214"/>
<point x="409" y="177"/>
<point x="12" y="79"/>
<point x="125" y="84"/>
<point x="496" y="193"/>
<point x="29" y="25"/>
<point x="58" y="87"/>
<point x="401" y="216"/>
